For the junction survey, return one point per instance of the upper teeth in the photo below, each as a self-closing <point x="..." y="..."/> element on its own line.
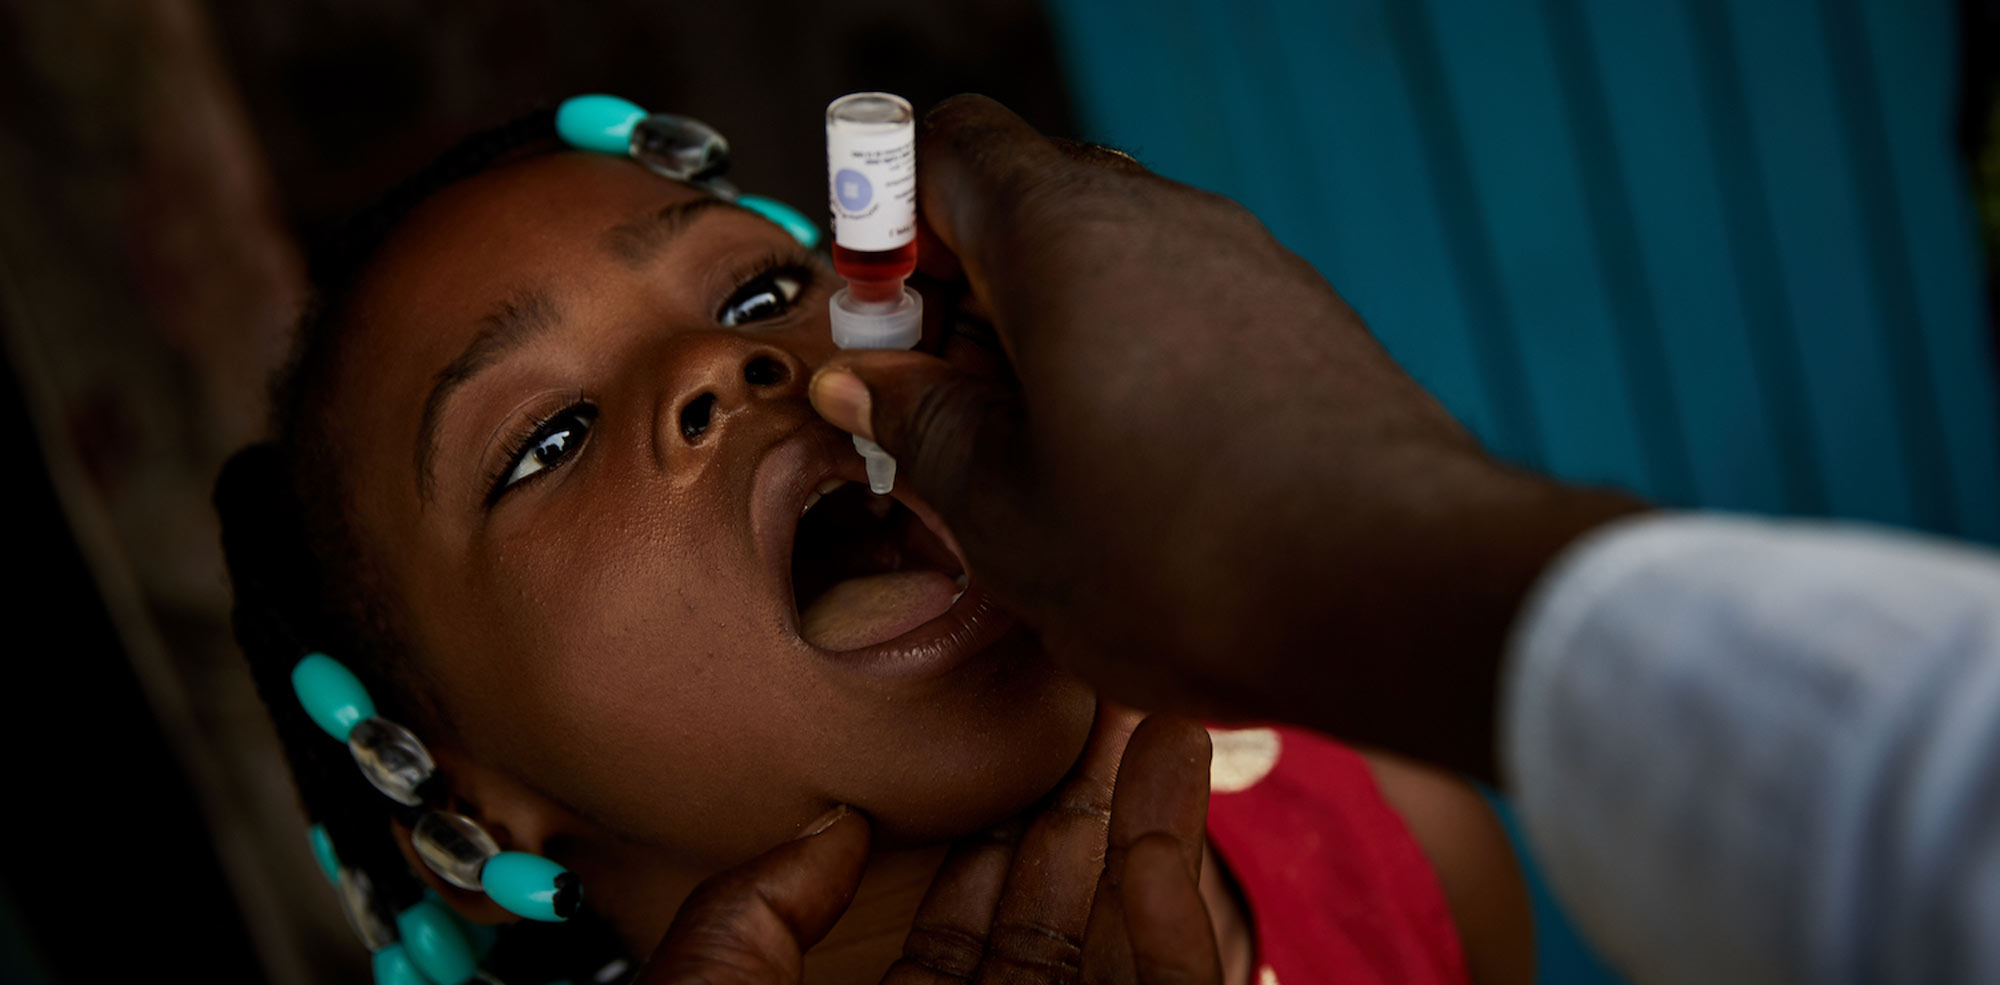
<point x="824" y="488"/>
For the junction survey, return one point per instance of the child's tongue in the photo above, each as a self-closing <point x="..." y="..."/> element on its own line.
<point x="875" y="609"/>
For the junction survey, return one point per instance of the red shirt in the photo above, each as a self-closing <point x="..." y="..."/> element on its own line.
<point x="1338" y="890"/>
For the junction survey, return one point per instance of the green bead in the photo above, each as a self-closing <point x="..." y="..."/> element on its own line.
<point x="597" y="122"/>
<point x="431" y="936"/>
<point x="530" y="886"/>
<point x="331" y="694"/>
<point x="793" y="221"/>
<point x="322" y="846"/>
<point x="393" y="967"/>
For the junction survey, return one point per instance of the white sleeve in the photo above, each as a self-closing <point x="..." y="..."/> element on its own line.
<point x="1760" y="751"/>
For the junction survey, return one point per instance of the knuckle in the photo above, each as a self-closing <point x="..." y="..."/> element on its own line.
<point x="959" y="111"/>
<point x="1090" y="807"/>
<point x="950" y="952"/>
<point x="1099" y="155"/>
<point x="1033" y="950"/>
<point x="1072" y="200"/>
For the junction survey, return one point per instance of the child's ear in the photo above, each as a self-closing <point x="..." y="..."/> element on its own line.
<point x="517" y="818"/>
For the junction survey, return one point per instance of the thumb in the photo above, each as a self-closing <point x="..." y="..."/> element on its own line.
<point x="753" y="924"/>
<point x="953" y="434"/>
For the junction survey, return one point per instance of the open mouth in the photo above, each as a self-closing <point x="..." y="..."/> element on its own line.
<point x="866" y="569"/>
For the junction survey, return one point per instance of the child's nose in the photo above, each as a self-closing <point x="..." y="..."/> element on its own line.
<point x="719" y="375"/>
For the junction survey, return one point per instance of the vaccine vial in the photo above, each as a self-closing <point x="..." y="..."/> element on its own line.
<point x="871" y="175"/>
<point x="871" y="168"/>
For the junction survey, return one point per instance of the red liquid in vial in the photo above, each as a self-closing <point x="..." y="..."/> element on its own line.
<point x="875" y="278"/>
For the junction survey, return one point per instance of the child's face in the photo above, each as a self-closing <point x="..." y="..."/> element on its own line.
<point x="615" y="632"/>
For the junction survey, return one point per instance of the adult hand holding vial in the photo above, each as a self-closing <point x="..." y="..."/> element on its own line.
<point x="1210" y="475"/>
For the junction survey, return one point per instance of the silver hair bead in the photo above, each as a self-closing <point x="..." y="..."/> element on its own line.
<point x="680" y="148"/>
<point x="357" y="903"/>
<point x="391" y="758"/>
<point x="453" y="846"/>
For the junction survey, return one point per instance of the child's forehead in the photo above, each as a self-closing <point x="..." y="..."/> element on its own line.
<point x="547" y="209"/>
<point x="514" y="228"/>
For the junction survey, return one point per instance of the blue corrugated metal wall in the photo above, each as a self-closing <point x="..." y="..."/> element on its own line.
<point x="1720" y="252"/>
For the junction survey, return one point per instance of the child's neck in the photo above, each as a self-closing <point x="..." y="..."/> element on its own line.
<point x="869" y="937"/>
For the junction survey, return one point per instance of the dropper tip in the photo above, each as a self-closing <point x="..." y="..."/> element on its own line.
<point x="881" y="473"/>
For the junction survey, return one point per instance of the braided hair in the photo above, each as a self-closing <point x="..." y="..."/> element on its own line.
<point x="303" y="582"/>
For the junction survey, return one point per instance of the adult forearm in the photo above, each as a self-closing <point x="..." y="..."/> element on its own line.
<point x="1389" y="630"/>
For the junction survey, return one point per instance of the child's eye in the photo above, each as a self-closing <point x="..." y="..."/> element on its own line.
<point x="549" y="445"/>
<point x="764" y="297"/>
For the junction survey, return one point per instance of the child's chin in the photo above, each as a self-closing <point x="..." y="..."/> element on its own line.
<point x="955" y="803"/>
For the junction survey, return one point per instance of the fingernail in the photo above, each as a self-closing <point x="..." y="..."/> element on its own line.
<point x="823" y="822"/>
<point x="843" y="399"/>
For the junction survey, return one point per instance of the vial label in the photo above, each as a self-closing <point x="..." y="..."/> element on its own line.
<point x="871" y="176"/>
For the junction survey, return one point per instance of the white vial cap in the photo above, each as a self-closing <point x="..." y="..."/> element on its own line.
<point x="895" y="324"/>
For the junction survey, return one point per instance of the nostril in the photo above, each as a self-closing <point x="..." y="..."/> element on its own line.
<point x="764" y="371"/>
<point x="696" y="415"/>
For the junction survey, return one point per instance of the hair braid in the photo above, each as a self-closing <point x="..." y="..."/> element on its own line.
<point x="301" y="581"/>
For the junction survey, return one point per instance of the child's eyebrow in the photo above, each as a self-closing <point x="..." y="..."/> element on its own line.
<point x="513" y="323"/>
<point x="635" y="242"/>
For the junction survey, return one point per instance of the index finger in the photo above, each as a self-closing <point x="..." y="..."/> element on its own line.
<point x="1044" y="909"/>
<point x="976" y="160"/>
<point x="1002" y="202"/>
<point x="937" y="257"/>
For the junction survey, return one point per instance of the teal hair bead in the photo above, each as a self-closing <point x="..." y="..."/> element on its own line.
<point x="481" y="936"/>
<point x="598" y="122"/>
<point x="531" y="886"/>
<point x="435" y="943"/>
<point x="793" y="221"/>
<point x="393" y="966"/>
<point x="331" y="694"/>
<point x="322" y="846"/>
